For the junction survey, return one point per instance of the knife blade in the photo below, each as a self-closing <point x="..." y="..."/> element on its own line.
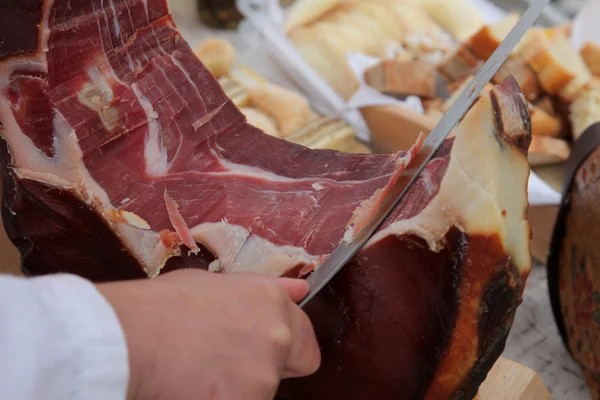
<point x="324" y="272"/>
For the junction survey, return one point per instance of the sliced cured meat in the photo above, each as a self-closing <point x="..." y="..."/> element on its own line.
<point x="123" y="112"/>
<point x="123" y="158"/>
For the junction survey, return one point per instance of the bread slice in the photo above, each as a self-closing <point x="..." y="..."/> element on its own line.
<point x="288" y="108"/>
<point x="545" y="103"/>
<point x="261" y="120"/>
<point x="217" y="55"/>
<point x="545" y="150"/>
<point x="413" y="17"/>
<point x="556" y="62"/>
<point x="303" y="12"/>
<point x="458" y="17"/>
<point x="374" y="21"/>
<point x="326" y="60"/>
<point x="324" y="132"/>
<point x="344" y="16"/>
<point x="486" y="40"/>
<point x="585" y="110"/>
<point x="523" y="73"/>
<point x="433" y="108"/>
<point x="543" y="123"/>
<point x="459" y="64"/>
<point x="564" y="30"/>
<point x="236" y="92"/>
<point x="403" y="78"/>
<point x="590" y="52"/>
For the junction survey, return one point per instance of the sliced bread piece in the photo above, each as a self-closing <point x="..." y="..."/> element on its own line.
<point x="555" y="60"/>
<point x="543" y="123"/>
<point x="459" y="64"/>
<point x="487" y="39"/>
<point x="326" y="60"/>
<point x="460" y="18"/>
<point x="403" y="78"/>
<point x="261" y="120"/>
<point x="523" y="73"/>
<point x="585" y="110"/>
<point x="545" y="150"/>
<point x="303" y="12"/>
<point x="590" y="52"/>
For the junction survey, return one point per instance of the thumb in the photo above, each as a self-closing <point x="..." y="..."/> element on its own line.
<point x="297" y="289"/>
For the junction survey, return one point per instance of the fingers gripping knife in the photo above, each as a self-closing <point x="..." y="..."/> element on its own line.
<point x="324" y="272"/>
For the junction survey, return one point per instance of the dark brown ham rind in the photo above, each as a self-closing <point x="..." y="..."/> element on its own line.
<point x="421" y="312"/>
<point x="19" y="21"/>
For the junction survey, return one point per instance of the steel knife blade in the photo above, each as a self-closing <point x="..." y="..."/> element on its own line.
<point x="324" y="272"/>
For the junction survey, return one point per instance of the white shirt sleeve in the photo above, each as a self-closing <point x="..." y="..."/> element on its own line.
<point x="59" y="340"/>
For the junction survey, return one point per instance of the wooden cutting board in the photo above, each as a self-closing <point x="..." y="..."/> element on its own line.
<point x="508" y="380"/>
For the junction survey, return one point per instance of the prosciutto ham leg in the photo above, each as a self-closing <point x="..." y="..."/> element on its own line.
<point x="123" y="158"/>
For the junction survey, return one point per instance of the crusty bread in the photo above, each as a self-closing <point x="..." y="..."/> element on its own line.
<point x="374" y="20"/>
<point x="458" y="17"/>
<point x="327" y="61"/>
<point x="413" y="17"/>
<point x="545" y="103"/>
<point x="403" y="78"/>
<point x="289" y="108"/>
<point x="433" y="108"/>
<point x="525" y="76"/>
<point x="355" y="146"/>
<point x="236" y="92"/>
<point x="303" y="12"/>
<point x="459" y="64"/>
<point x="556" y="62"/>
<point x="564" y="30"/>
<point x="545" y="150"/>
<point x="543" y="123"/>
<point x="323" y="132"/>
<point x="217" y="55"/>
<point x="261" y="121"/>
<point x="585" y="110"/>
<point x="484" y="41"/>
<point x="590" y="52"/>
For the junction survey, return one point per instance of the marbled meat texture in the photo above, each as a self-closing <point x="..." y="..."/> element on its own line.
<point x="114" y="106"/>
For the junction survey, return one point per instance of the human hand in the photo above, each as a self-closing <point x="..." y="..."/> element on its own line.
<point x="198" y="335"/>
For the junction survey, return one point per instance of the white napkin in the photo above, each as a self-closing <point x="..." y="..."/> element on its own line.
<point x="585" y="26"/>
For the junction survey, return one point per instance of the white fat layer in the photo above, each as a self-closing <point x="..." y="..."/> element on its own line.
<point x="44" y="31"/>
<point x="317" y="186"/>
<point x="222" y="239"/>
<point x="155" y="154"/>
<point x="477" y="187"/>
<point x="115" y="19"/>
<point x="260" y="255"/>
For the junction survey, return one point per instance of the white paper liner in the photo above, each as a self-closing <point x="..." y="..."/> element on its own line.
<point x="540" y="193"/>
<point x="586" y="26"/>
